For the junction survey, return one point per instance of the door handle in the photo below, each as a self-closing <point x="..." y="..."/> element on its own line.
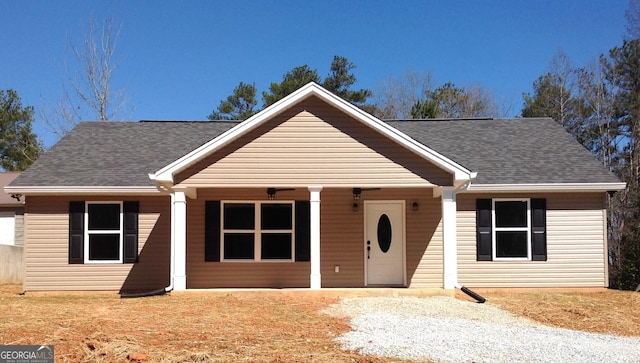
<point x="368" y="250"/>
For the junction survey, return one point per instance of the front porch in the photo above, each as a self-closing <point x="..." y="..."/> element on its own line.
<point x="338" y="253"/>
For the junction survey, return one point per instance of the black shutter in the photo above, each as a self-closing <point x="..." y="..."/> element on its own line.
<point x="130" y="229"/>
<point x="76" y="232"/>
<point x="539" y="229"/>
<point x="483" y="230"/>
<point x="303" y="230"/>
<point x="212" y="230"/>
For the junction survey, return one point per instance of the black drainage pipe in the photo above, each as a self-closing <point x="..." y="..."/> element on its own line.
<point x="126" y="295"/>
<point x="477" y="297"/>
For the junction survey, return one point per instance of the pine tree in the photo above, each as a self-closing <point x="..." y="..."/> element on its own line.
<point x="19" y="146"/>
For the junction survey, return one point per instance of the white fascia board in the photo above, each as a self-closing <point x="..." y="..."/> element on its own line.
<point x="548" y="187"/>
<point x="86" y="190"/>
<point x="347" y="185"/>
<point x="166" y="174"/>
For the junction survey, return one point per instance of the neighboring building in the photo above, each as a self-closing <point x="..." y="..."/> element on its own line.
<point x="314" y="192"/>
<point x="11" y="233"/>
<point x="11" y="213"/>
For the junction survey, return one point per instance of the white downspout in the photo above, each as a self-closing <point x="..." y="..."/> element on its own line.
<point x="172" y="263"/>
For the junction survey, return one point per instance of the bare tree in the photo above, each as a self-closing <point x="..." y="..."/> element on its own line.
<point x="396" y="96"/>
<point x="564" y="77"/>
<point x="554" y="94"/>
<point x="483" y="103"/>
<point x="413" y="95"/>
<point x="89" y="68"/>
<point x="598" y="121"/>
<point x="633" y="19"/>
<point x="464" y="102"/>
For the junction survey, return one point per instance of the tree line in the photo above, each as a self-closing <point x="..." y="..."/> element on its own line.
<point x="409" y="96"/>
<point x="597" y="103"/>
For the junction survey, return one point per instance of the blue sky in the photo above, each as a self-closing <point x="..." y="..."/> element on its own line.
<point x="178" y="59"/>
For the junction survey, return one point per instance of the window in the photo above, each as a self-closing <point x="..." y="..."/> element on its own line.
<point x="511" y="229"/>
<point x="103" y="239"/>
<point x="276" y="222"/>
<point x="257" y="231"/>
<point x="103" y="232"/>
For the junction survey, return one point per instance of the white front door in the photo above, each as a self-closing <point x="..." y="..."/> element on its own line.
<point x="384" y="243"/>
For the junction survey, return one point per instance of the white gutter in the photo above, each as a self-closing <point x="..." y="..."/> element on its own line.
<point x="547" y="187"/>
<point x="81" y="190"/>
<point x="463" y="184"/>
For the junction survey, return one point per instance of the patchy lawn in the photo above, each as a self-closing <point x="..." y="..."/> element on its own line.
<point x="185" y="327"/>
<point x="270" y="326"/>
<point x="593" y="310"/>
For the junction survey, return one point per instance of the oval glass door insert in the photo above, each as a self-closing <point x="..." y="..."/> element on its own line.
<point x="384" y="233"/>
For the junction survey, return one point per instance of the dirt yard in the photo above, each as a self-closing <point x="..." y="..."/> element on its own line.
<point x="186" y="327"/>
<point x="274" y="326"/>
<point x="593" y="310"/>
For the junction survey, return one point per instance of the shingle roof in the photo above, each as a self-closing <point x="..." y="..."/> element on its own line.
<point x="117" y="153"/>
<point x="510" y="151"/>
<point x="502" y="151"/>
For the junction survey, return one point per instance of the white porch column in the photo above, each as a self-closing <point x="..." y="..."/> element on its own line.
<point x="179" y="230"/>
<point x="450" y="242"/>
<point x="316" y="281"/>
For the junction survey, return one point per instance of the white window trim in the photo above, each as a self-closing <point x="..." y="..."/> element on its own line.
<point x="495" y="229"/>
<point x="257" y="231"/>
<point x="86" y="233"/>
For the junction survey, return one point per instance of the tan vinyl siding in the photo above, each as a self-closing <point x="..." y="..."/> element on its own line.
<point x="342" y="241"/>
<point x="47" y="245"/>
<point x="342" y="238"/>
<point x="424" y="243"/>
<point x="201" y="274"/>
<point x="576" y="256"/>
<point x="313" y="144"/>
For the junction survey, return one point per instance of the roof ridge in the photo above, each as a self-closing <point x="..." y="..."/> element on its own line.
<point x="443" y="119"/>
<point x="470" y="119"/>
<point x="189" y="121"/>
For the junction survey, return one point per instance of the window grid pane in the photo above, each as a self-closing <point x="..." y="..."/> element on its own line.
<point x="511" y="244"/>
<point x="104" y="247"/>
<point x="276" y="246"/>
<point x="276" y="216"/>
<point x="239" y="216"/>
<point x="239" y="246"/>
<point x="104" y="217"/>
<point x="511" y="213"/>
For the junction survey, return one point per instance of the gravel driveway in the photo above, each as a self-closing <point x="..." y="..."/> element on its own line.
<point x="444" y="329"/>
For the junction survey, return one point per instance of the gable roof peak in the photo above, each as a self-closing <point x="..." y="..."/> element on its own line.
<point x="166" y="174"/>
